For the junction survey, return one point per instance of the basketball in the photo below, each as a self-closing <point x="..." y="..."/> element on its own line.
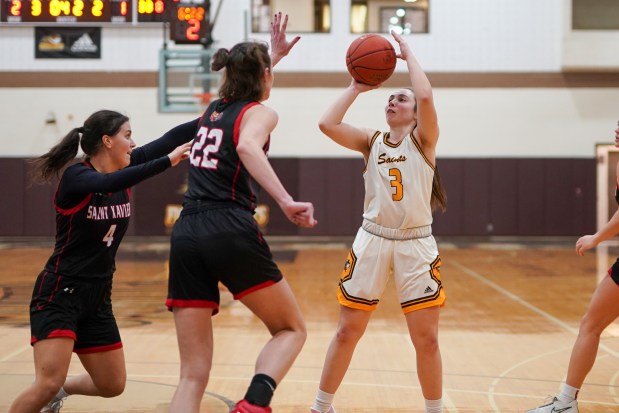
<point x="370" y="59"/>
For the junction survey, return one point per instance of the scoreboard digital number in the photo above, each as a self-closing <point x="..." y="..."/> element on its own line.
<point x="190" y="24"/>
<point x="157" y="11"/>
<point x="66" y="11"/>
<point x="189" y="19"/>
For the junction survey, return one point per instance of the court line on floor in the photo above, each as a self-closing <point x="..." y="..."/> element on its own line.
<point x="526" y="304"/>
<point x="552" y="319"/>
<point x="15" y="353"/>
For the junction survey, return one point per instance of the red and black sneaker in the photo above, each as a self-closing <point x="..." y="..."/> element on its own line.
<point x="246" y="407"/>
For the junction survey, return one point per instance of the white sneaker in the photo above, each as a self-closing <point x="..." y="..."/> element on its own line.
<point x="555" y="406"/>
<point x="53" y="406"/>
<point x="331" y="410"/>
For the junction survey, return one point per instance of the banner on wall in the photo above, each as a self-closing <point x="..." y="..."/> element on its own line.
<point x="67" y="42"/>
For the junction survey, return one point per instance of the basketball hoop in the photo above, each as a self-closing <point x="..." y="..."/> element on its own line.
<point x="205" y="98"/>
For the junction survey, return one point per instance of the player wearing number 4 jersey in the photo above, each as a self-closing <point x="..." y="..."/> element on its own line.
<point x="401" y="189"/>
<point x="71" y="309"/>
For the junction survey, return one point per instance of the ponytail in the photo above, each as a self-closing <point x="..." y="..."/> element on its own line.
<point x="439" y="195"/>
<point x="49" y="165"/>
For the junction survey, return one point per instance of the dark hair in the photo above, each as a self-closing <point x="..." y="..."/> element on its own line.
<point x="245" y="64"/>
<point x="100" y="123"/>
<point x="439" y="195"/>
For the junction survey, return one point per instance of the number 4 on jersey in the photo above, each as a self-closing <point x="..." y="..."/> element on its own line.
<point x="109" y="236"/>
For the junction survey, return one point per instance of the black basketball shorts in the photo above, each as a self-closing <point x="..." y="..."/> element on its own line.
<point x="613" y="272"/>
<point x="74" y="308"/>
<point x="214" y="245"/>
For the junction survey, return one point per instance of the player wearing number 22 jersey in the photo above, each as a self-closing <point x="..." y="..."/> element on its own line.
<point x="216" y="238"/>
<point x="216" y="173"/>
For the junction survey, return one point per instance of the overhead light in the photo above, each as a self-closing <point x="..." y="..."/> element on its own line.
<point x="409" y="1"/>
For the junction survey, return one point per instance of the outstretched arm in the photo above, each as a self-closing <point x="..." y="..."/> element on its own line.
<point x="280" y="47"/>
<point x="609" y="230"/>
<point x="256" y="126"/>
<point x="427" y="122"/>
<point x="332" y="125"/>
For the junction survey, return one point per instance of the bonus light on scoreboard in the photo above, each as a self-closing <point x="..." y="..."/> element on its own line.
<point x="190" y="23"/>
<point x="65" y="11"/>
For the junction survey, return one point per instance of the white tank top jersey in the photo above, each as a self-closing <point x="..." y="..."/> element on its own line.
<point x="398" y="184"/>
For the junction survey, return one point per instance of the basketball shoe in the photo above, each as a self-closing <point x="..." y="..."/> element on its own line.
<point x="331" y="410"/>
<point x="53" y="406"/>
<point x="555" y="406"/>
<point x="246" y="407"/>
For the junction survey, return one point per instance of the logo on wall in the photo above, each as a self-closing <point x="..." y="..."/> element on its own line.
<point x="67" y="42"/>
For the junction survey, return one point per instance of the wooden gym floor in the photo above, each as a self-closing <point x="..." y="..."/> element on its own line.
<point x="506" y="333"/>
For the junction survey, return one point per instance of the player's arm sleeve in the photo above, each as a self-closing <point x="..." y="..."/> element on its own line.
<point x="167" y="143"/>
<point x="86" y="180"/>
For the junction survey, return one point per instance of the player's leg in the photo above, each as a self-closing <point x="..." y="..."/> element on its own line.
<point x="287" y="328"/>
<point x="362" y="283"/>
<point x="603" y="309"/>
<point x="106" y="376"/>
<point x="51" y="363"/>
<point x="194" y="331"/>
<point x="418" y="280"/>
<point x="351" y="327"/>
<point x="193" y="296"/>
<point x="423" y="328"/>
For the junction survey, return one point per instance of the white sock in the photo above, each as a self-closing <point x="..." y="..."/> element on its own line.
<point x="568" y="393"/>
<point x="434" y="406"/>
<point x="62" y="394"/>
<point x="323" y="401"/>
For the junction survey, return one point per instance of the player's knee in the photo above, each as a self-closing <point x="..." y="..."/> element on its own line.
<point x="348" y="334"/>
<point x="426" y="344"/>
<point x="49" y="386"/>
<point x="590" y="326"/>
<point x="112" y="388"/>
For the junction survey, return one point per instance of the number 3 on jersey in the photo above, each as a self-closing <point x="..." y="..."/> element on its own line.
<point x="397" y="184"/>
<point x="206" y="143"/>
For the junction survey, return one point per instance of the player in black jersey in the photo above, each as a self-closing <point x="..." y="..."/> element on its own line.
<point x="216" y="238"/>
<point x="71" y="308"/>
<point x="603" y="310"/>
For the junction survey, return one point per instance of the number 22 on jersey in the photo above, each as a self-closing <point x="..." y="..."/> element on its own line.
<point x="206" y="143"/>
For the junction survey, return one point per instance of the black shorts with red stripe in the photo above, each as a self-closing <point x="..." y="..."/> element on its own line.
<point x="613" y="272"/>
<point x="79" y="309"/>
<point x="212" y="244"/>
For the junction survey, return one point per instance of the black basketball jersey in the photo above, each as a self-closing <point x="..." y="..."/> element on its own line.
<point x="89" y="233"/>
<point x="216" y="173"/>
<point x="93" y="208"/>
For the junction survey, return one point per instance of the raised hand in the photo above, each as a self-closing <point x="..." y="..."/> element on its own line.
<point x="405" y="49"/>
<point x="280" y="47"/>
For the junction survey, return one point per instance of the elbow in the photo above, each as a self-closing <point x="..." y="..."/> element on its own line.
<point x="424" y="95"/>
<point x="325" y="127"/>
<point x="242" y="150"/>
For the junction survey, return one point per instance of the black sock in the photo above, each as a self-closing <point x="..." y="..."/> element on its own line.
<point x="260" y="391"/>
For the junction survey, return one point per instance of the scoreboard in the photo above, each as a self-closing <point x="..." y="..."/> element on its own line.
<point x="189" y="19"/>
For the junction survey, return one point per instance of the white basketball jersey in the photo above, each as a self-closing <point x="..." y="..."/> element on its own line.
<point x="398" y="184"/>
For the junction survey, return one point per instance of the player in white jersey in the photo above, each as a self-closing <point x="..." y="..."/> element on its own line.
<point x="402" y="188"/>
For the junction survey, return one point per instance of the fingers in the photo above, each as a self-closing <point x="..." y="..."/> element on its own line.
<point x="285" y="25"/>
<point x="294" y="41"/>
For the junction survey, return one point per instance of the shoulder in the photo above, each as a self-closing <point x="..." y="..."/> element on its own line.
<point x="260" y="112"/>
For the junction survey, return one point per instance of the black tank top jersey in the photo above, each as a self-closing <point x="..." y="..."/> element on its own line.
<point x="617" y="194"/>
<point x="93" y="208"/>
<point x="216" y="173"/>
